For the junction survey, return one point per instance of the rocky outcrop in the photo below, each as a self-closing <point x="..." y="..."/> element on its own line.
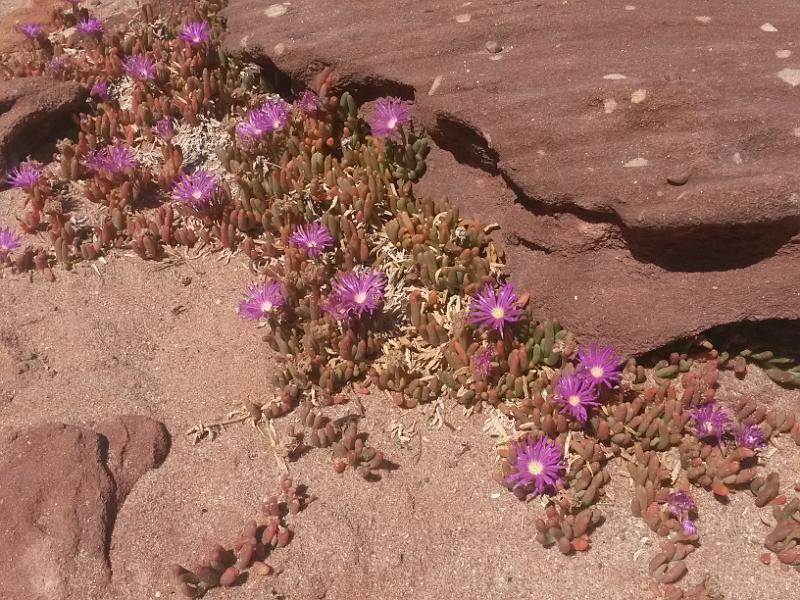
<point x="643" y="157"/>
<point x="31" y="109"/>
<point x="62" y="487"/>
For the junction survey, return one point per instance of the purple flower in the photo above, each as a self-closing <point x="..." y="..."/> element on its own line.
<point x="57" y="64"/>
<point x="492" y="309"/>
<point x="575" y="393"/>
<point x="309" y="102"/>
<point x="681" y="505"/>
<point x="194" y="32"/>
<point x="261" y="300"/>
<point x="482" y="361"/>
<point x="25" y="176"/>
<point x="355" y="294"/>
<point x="100" y="89"/>
<point x="387" y="114"/>
<point x="313" y="238"/>
<point x="30" y="30"/>
<point x="8" y="241"/>
<point x="710" y="421"/>
<point x="91" y="26"/>
<point x="164" y="128"/>
<point x="751" y="436"/>
<point x="196" y="189"/>
<point x="270" y="116"/>
<point x="600" y="364"/>
<point x="114" y="159"/>
<point x="689" y="528"/>
<point x="140" y="67"/>
<point x="536" y="464"/>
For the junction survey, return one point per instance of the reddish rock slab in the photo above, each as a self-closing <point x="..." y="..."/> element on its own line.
<point x="31" y="109"/>
<point x="59" y="499"/>
<point x="662" y="138"/>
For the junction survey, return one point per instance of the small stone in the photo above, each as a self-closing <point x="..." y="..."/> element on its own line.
<point x="494" y="47"/>
<point x="679" y="177"/>
<point x="614" y="76"/>
<point x="796" y="132"/>
<point x="279" y="49"/>
<point x="275" y="10"/>
<point x="737" y="158"/>
<point x="435" y="85"/>
<point x="783" y="53"/>
<point x="638" y="96"/>
<point x="765" y="558"/>
<point x="609" y="105"/>
<point x="769" y="28"/>
<point x="790" y="76"/>
<point x="630" y="7"/>
<point x="703" y="19"/>
<point x="261" y="569"/>
<point x="637" y="162"/>
<point x="463" y="18"/>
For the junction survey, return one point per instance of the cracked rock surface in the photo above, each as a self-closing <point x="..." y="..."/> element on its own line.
<point x="641" y="159"/>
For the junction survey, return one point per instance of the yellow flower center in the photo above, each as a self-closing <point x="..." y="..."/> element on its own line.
<point x="498" y="313"/>
<point x="361" y="297"/>
<point x="392" y="123"/>
<point x="266" y="306"/>
<point x="535" y="468"/>
<point x="574" y="400"/>
<point x="596" y="372"/>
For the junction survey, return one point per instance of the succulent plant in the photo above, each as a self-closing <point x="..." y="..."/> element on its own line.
<point x="361" y="279"/>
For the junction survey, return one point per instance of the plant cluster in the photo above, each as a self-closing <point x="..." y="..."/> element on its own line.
<point x="227" y="565"/>
<point x="359" y="279"/>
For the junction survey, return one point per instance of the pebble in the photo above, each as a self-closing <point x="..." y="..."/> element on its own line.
<point x="790" y="76"/>
<point x="279" y="48"/>
<point x="769" y="28"/>
<point x="463" y="18"/>
<point x="637" y="162"/>
<point x="614" y="76"/>
<point x="703" y="19"/>
<point x="737" y="159"/>
<point x="796" y="132"/>
<point x="275" y="10"/>
<point x="638" y="96"/>
<point x="435" y="85"/>
<point x="679" y="178"/>
<point x="494" y="47"/>
<point x="609" y="105"/>
<point x="630" y="7"/>
<point x="783" y="53"/>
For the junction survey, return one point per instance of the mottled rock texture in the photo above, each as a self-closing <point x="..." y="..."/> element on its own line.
<point x="61" y="488"/>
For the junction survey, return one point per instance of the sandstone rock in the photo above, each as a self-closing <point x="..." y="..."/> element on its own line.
<point x="31" y="108"/>
<point x="59" y="499"/>
<point x="136" y="444"/>
<point x="647" y="261"/>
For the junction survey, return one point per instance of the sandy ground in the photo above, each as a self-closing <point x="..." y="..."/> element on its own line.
<point x="138" y="337"/>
